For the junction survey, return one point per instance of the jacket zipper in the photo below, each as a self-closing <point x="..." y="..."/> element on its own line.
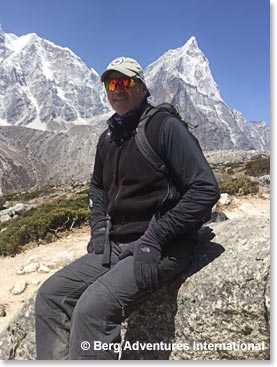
<point x="116" y="173"/>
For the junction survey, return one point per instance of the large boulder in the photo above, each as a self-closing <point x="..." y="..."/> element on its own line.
<point x="218" y="309"/>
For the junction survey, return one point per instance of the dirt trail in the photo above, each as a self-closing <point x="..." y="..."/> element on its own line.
<point x="64" y="249"/>
<point x="73" y="246"/>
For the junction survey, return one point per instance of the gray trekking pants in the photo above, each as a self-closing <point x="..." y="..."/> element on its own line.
<point x="81" y="307"/>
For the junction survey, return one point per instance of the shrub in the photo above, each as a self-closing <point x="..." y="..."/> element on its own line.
<point x="239" y="186"/>
<point x="42" y="223"/>
<point x="258" y="167"/>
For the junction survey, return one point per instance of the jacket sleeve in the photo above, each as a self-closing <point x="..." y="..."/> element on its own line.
<point x="96" y="194"/>
<point x="186" y="162"/>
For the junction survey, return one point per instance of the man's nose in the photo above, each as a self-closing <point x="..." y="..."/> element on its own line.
<point x="119" y="88"/>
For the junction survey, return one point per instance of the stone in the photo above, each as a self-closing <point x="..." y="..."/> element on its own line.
<point x="224" y="199"/>
<point x="2" y="311"/>
<point x="62" y="259"/>
<point x="19" y="287"/>
<point x="43" y="269"/>
<point x="4" y="218"/>
<point x="218" y="307"/>
<point x="13" y="211"/>
<point x="29" y="268"/>
<point x="223" y="298"/>
<point x="19" y="207"/>
<point x="218" y="216"/>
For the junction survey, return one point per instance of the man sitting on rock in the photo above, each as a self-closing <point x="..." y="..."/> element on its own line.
<point x="143" y="224"/>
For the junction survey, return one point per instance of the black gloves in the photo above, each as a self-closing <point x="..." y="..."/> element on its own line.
<point x="147" y="255"/>
<point x="97" y="241"/>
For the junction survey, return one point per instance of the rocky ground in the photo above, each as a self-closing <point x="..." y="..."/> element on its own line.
<point x="22" y="274"/>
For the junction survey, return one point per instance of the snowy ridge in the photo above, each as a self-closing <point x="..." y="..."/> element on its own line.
<point x="47" y="87"/>
<point x="189" y="64"/>
<point x="183" y="77"/>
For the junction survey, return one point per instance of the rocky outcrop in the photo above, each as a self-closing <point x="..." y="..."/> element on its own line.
<point x="222" y="299"/>
<point x="14" y="211"/>
<point x="234" y="156"/>
<point x="217" y="310"/>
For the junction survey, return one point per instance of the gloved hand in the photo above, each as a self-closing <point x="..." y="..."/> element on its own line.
<point x="146" y="260"/>
<point x="97" y="241"/>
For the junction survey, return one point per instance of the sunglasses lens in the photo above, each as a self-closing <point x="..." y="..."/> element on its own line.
<point x="110" y="85"/>
<point x="125" y="83"/>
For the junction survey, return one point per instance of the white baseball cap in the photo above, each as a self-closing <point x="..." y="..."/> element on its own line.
<point x="126" y="66"/>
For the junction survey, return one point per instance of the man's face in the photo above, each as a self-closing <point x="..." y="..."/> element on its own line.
<point x="125" y="100"/>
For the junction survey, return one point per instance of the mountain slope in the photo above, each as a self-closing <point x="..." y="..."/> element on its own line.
<point x="183" y="77"/>
<point x="32" y="158"/>
<point x="48" y="87"/>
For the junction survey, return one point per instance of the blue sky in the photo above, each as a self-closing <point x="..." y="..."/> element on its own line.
<point x="233" y="34"/>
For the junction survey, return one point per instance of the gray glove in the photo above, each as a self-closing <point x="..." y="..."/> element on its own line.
<point x="147" y="255"/>
<point x="146" y="264"/>
<point x="97" y="241"/>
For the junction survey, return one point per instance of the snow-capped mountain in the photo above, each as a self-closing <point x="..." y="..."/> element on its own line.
<point x="48" y="87"/>
<point x="183" y="77"/>
<point x="45" y="86"/>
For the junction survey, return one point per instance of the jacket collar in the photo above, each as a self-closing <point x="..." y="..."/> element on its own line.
<point x="123" y="127"/>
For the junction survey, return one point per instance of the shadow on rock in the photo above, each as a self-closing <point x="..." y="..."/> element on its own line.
<point x="151" y="330"/>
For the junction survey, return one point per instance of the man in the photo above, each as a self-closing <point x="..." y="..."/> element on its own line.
<point x="142" y="225"/>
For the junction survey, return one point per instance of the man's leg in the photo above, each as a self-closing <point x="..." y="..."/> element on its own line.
<point x="96" y="322"/>
<point x="56" y="300"/>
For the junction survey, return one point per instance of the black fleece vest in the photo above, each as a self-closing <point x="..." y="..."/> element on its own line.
<point x="135" y="191"/>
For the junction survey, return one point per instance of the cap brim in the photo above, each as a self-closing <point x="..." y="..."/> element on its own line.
<point x="124" y="71"/>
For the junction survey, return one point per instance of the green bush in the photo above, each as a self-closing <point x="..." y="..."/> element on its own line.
<point x="42" y="223"/>
<point x="239" y="186"/>
<point x="258" y="167"/>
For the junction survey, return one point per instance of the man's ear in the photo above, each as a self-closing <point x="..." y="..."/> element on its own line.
<point x="143" y="88"/>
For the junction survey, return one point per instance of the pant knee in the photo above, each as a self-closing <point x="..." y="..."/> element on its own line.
<point x="43" y="296"/>
<point x="99" y="302"/>
<point x="48" y="297"/>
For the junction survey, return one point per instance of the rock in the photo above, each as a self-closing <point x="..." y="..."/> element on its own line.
<point x="4" y="217"/>
<point x="226" y="301"/>
<point x="18" y="208"/>
<point x="234" y="156"/>
<point x="43" y="269"/>
<point x="264" y="182"/>
<point x="62" y="259"/>
<point x="13" y="211"/>
<point x="224" y="199"/>
<point x="2" y="311"/>
<point x="221" y="299"/>
<point x="218" y="216"/>
<point x="29" y="268"/>
<point x="18" y="340"/>
<point x="19" y="287"/>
